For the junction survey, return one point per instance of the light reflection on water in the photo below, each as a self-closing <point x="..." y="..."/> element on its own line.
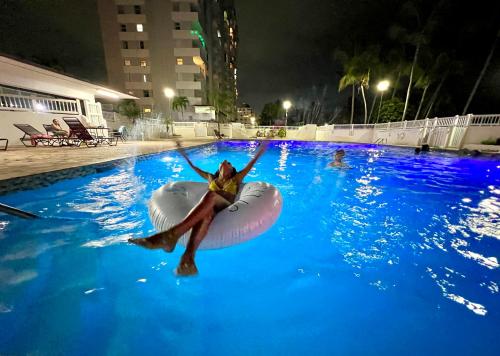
<point x="424" y="227"/>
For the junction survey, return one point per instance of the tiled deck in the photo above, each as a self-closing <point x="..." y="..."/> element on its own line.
<point x="23" y="161"/>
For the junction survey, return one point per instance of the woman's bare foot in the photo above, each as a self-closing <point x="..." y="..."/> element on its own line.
<point x="186" y="267"/>
<point x="165" y="240"/>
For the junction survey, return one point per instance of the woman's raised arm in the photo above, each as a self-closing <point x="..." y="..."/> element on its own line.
<point x="262" y="148"/>
<point x="202" y="173"/>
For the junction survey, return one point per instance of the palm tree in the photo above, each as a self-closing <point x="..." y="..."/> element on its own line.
<point x="223" y="103"/>
<point x="417" y="38"/>
<point x="357" y="72"/>
<point x="481" y="74"/>
<point x="180" y="103"/>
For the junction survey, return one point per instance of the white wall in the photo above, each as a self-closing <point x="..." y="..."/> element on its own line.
<point x="476" y="134"/>
<point x="13" y="134"/>
<point x="345" y="135"/>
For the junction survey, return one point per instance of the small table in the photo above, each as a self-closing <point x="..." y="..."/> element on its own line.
<point x="6" y="143"/>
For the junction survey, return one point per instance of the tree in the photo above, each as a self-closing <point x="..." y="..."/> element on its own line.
<point x="223" y="103"/>
<point x="416" y="38"/>
<point x="357" y="70"/>
<point x="129" y="109"/>
<point x="391" y="110"/>
<point x="271" y="112"/>
<point x="481" y="74"/>
<point x="180" y="103"/>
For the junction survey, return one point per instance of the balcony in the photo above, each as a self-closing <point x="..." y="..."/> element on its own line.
<point x="133" y="36"/>
<point x="195" y="100"/>
<point x="188" y="85"/>
<point x="186" y="52"/>
<point x="138" y="85"/>
<point x="131" y="18"/>
<point x="184" y="16"/>
<point x="183" y="35"/>
<point x="187" y="68"/>
<point x="137" y="69"/>
<point x="132" y="53"/>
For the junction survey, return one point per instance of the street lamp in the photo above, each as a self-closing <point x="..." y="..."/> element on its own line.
<point x="287" y="104"/>
<point x="382" y="86"/>
<point x="169" y="94"/>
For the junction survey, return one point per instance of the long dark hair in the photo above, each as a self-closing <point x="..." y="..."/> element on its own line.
<point x="233" y="173"/>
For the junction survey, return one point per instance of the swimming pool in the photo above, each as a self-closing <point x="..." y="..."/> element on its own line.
<point x="398" y="255"/>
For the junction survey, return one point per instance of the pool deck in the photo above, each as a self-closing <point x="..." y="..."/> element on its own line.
<point x="26" y="161"/>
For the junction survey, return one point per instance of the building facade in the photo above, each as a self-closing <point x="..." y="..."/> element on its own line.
<point x="188" y="46"/>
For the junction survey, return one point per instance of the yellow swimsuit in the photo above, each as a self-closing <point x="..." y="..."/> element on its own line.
<point x="231" y="186"/>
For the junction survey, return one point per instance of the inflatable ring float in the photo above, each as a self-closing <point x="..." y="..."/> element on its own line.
<point x="256" y="208"/>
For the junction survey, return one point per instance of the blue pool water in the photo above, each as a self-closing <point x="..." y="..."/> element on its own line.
<point x="398" y="255"/>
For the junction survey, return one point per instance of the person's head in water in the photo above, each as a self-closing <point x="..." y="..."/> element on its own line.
<point x="417" y="150"/>
<point x="226" y="170"/>
<point x="339" y="155"/>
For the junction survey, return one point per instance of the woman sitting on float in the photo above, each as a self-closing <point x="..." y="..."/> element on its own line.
<point x="222" y="189"/>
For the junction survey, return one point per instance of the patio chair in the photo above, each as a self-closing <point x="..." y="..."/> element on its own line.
<point x="34" y="136"/>
<point x="121" y="133"/>
<point x="218" y="134"/>
<point x="79" y="133"/>
<point x="6" y="143"/>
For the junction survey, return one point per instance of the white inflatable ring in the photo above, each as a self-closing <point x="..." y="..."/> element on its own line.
<point x="256" y="208"/>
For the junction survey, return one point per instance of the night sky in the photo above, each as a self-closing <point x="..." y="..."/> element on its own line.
<point x="285" y="46"/>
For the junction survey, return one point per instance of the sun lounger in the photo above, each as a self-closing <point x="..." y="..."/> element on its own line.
<point x="79" y="133"/>
<point x="34" y="136"/>
<point x="218" y="134"/>
<point x="59" y="136"/>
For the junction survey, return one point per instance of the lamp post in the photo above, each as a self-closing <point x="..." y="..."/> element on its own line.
<point x="287" y="104"/>
<point x="382" y="86"/>
<point x="169" y="94"/>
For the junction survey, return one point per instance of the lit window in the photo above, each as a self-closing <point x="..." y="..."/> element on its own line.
<point x="143" y="63"/>
<point x="230" y="31"/>
<point x="140" y="28"/>
<point x="127" y="62"/>
<point x="180" y="61"/>
<point x="123" y="28"/>
<point x="147" y="110"/>
<point x="218" y="34"/>
<point x="144" y="78"/>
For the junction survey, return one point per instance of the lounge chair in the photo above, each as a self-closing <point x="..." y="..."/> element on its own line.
<point x="34" y="136"/>
<point x="6" y="143"/>
<point x="79" y="133"/>
<point x="218" y="134"/>
<point x="57" y="135"/>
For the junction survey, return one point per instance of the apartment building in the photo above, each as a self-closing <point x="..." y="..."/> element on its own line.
<point x="154" y="47"/>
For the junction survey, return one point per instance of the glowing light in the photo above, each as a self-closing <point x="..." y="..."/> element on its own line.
<point x="107" y="93"/>
<point x="39" y="107"/>
<point x="383" y="85"/>
<point x="169" y="93"/>
<point x="287" y="104"/>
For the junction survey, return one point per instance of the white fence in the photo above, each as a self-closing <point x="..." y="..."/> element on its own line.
<point x="445" y="132"/>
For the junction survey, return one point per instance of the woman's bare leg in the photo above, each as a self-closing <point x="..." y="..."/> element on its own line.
<point x="186" y="265"/>
<point x="167" y="240"/>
